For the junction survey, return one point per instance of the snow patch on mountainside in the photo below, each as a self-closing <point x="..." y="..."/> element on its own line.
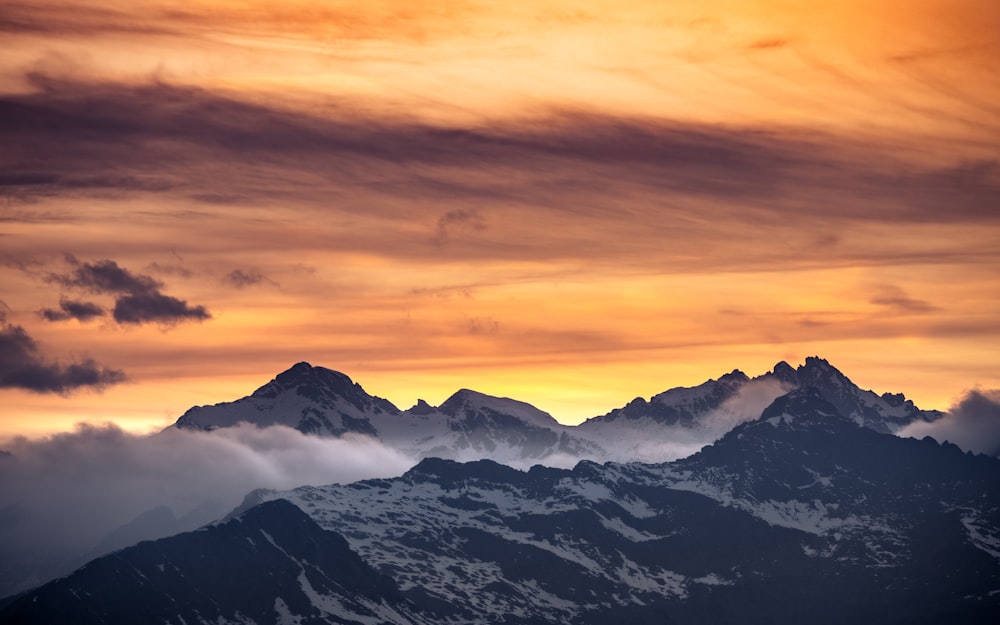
<point x="984" y="537"/>
<point x="713" y="579"/>
<point x="650" y="580"/>
<point x="807" y="516"/>
<point x="619" y="526"/>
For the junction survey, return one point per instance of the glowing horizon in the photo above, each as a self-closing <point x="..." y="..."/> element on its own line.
<point x="572" y="204"/>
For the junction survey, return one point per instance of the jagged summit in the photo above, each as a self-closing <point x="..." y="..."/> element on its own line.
<point x="691" y="407"/>
<point x="784" y="372"/>
<point x="886" y="413"/>
<point x="421" y="408"/>
<point x="679" y="406"/>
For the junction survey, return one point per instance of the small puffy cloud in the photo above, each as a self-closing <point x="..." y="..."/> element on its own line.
<point x="104" y="276"/>
<point x="175" y="270"/>
<point x="155" y="307"/>
<point x="72" y="309"/>
<point x="769" y="44"/>
<point x="138" y="297"/>
<point x="460" y="219"/>
<point x="973" y="424"/>
<point x="22" y="366"/>
<point x="241" y="279"/>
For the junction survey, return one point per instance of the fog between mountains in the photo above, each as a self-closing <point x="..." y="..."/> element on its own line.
<point x="60" y="495"/>
<point x="66" y="492"/>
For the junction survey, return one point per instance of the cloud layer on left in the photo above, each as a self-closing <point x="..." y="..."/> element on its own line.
<point x="61" y="495"/>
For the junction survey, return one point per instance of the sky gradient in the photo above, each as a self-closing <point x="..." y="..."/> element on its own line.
<point x="571" y="203"/>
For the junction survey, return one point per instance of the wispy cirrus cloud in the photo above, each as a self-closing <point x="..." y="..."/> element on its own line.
<point x="564" y="185"/>
<point x="895" y="298"/>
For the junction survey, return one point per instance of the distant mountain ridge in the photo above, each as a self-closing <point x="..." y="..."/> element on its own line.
<point x="800" y="515"/>
<point x="471" y="425"/>
<point x="684" y="406"/>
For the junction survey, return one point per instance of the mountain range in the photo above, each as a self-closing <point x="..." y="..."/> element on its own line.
<point x="809" y="512"/>
<point x="471" y="425"/>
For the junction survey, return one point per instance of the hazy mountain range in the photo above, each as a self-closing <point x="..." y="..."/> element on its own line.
<point x="802" y="514"/>
<point x="470" y="425"/>
<point x="807" y="484"/>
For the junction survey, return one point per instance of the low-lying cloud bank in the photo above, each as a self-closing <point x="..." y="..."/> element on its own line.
<point x="62" y="495"/>
<point x="973" y="424"/>
<point x="653" y="443"/>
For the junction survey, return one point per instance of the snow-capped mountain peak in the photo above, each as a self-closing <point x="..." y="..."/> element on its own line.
<point x="886" y="413"/>
<point x="697" y="406"/>
<point x="322" y="385"/>
<point x="314" y="400"/>
<point x="466" y="402"/>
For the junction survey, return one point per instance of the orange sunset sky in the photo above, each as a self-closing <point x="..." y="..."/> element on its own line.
<point x="571" y="203"/>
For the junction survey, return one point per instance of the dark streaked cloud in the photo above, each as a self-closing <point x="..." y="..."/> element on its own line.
<point x="340" y="20"/>
<point x="563" y="186"/>
<point x="769" y="170"/>
<point x="896" y="298"/>
<point x="23" y="366"/>
<point x="44" y="19"/>
<point x="769" y="44"/>
<point x="973" y="424"/>
<point x="72" y="309"/>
